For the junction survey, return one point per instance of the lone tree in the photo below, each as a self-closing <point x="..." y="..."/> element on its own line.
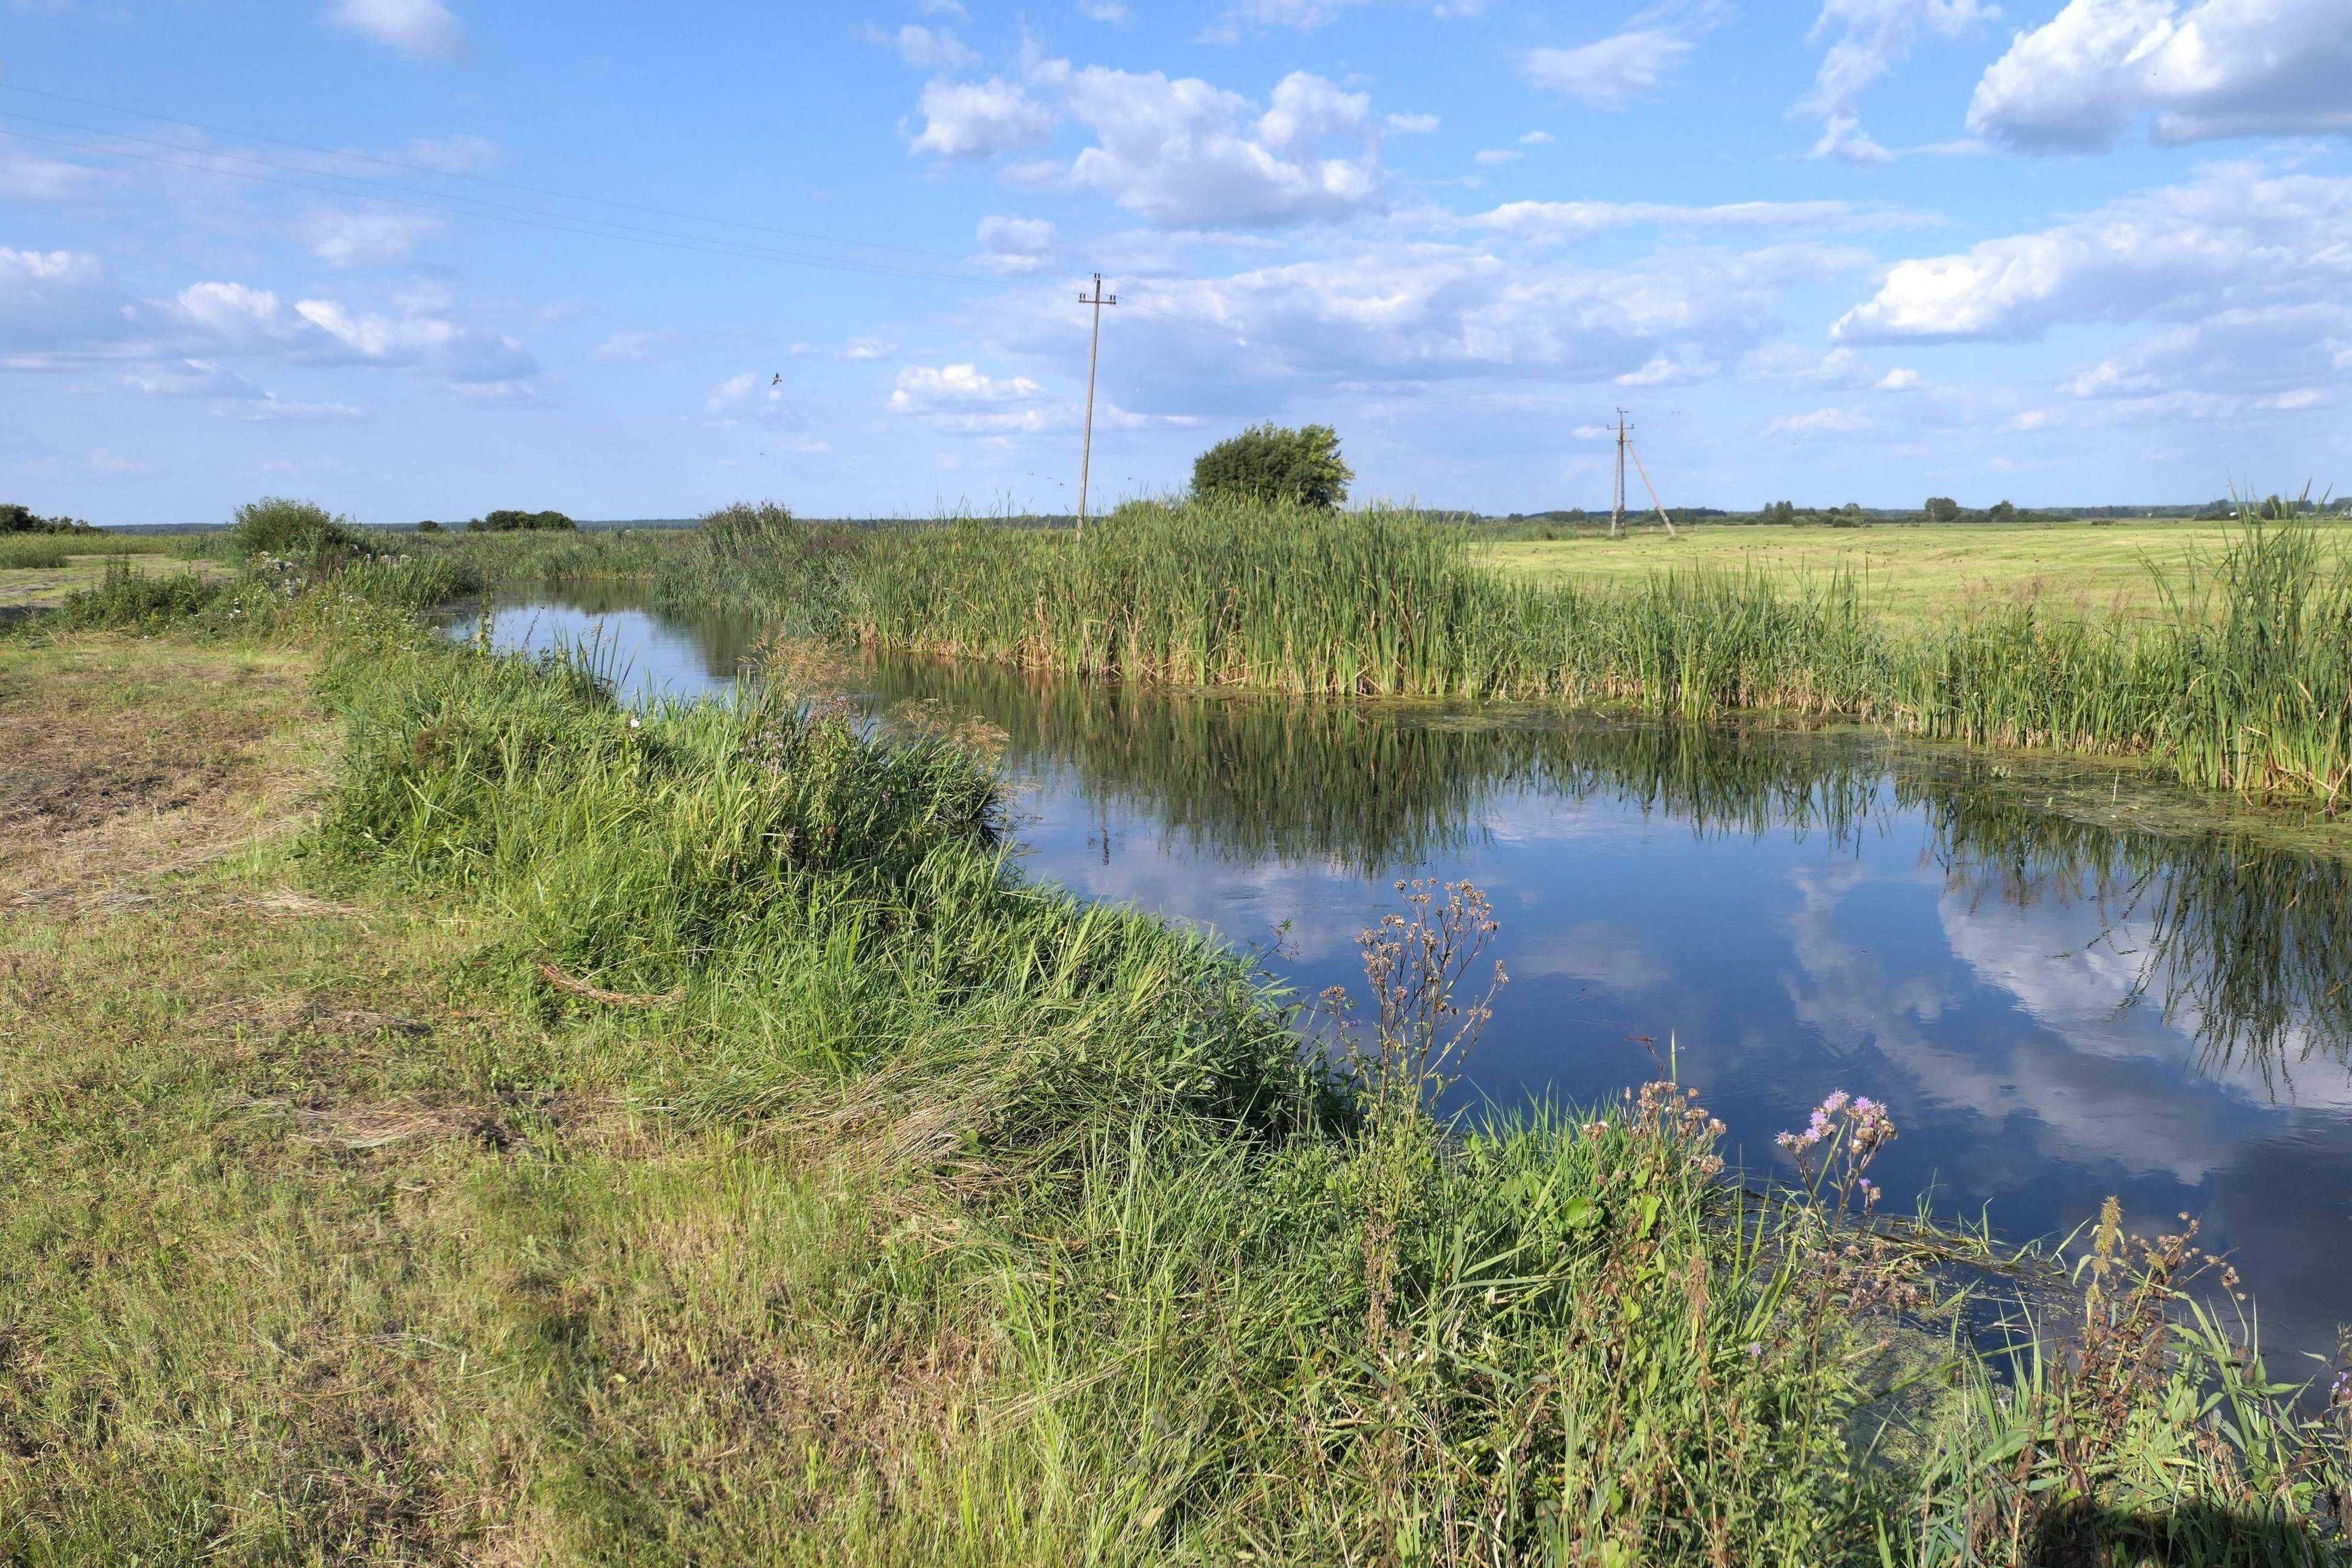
<point x="1942" y="509"/>
<point x="1269" y="463"/>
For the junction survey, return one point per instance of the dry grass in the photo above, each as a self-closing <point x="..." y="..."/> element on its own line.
<point x="24" y="588"/>
<point x="306" y="1255"/>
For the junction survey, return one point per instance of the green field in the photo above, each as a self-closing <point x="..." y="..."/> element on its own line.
<point x="1909" y="574"/>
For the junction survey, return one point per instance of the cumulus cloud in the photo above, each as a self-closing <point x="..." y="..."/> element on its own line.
<point x="2234" y="237"/>
<point x="1013" y="245"/>
<point x="2282" y="352"/>
<point x="421" y="29"/>
<point x="630" y="347"/>
<point x="1629" y="65"/>
<point x="189" y="378"/>
<point x="926" y="48"/>
<point x="1867" y="39"/>
<point x="1304" y="15"/>
<point x="1185" y="153"/>
<point x="961" y="399"/>
<point x="978" y="118"/>
<point x="1819" y="422"/>
<point x="364" y="238"/>
<point x="1410" y="124"/>
<point x="459" y="155"/>
<point x="1557" y="221"/>
<point x="1427" y="311"/>
<point x="26" y="177"/>
<point x="2210" y="68"/>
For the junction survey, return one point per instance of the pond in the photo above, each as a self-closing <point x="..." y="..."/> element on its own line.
<point x="2057" y="1002"/>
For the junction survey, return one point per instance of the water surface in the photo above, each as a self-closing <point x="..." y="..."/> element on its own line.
<point x="2057" y="1005"/>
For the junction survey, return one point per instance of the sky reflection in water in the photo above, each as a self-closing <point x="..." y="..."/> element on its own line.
<point x="2054" y="1011"/>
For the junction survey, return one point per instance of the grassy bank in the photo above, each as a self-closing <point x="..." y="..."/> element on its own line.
<point x="682" y="1137"/>
<point x="2240" y="685"/>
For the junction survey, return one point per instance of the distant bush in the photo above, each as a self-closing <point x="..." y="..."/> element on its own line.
<point x="2003" y="512"/>
<point x="511" y="522"/>
<point x="14" y="519"/>
<point x="1270" y="463"/>
<point x="1942" y="509"/>
<point x="296" y="530"/>
<point x="429" y="526"/>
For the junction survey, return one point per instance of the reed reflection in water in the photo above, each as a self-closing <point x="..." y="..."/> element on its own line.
<point x="2056" y="1006"/>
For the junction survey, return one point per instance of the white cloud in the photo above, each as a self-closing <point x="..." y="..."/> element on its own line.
<point x="1013" y="245"/>
<point x="1629" y="65"/>
<point x="961" y="399"/>
<point x="1872" y="36"/>
<point x="364" y="238"/>
<point x="1410" y="124"/>
<point x="1109" y="11"/>
<point x="2232" y="238"/>
<point x="1537" y="139"/>
<point x="52" y="300"/>
<point x="1186" y="153"/>
<point x="737" y="389"/>
<point x="1307" y="14"/>
<point x="1421" y="313"/>
<point x="1492" y="157"/>
<point x="1819" y="422"/>
<point x="978" y="118"/>
<point x="459" y="155"/>
<point x="2212" y="68"/>
<point x="26" y="177"/>
<point x="1552" y="222"/>
<point x="268" y="407"/>
<point x="926" y="48"/>
<point x="630" y="347"/>
<point x="2277" y="350"/>
<point x="189" y="378"/>
<point x="1899" y="379"/>
<point x="867" y="348"/>
<point x="108" y="465"/>
<point x="422" y="30"/>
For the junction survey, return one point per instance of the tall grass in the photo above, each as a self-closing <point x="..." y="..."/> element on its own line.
<point x="2245" y="686"/>
<point x="1255" y="1303"/>
<point x="49" y="551"/>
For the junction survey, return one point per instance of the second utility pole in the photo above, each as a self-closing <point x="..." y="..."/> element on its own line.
<point x="1617" y="496"/>
<point x="1094" y="351"/>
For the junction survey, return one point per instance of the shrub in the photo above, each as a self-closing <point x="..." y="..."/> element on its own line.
<point x="128" y="598"/>
<point x="508" y="521"/>
<point x="296" y="530"/>
<point x="429" y="526"/>
<point x="2003" y="512"/>
<point x="1942" y="509"/>
<point x="1270" y="463"/>
<point x="15" y="519"/>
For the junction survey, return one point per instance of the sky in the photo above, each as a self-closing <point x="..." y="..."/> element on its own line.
<point x="428" y="258"/>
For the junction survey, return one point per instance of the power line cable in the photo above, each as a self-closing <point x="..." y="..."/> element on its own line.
<point x="475" y="206"/>
<point x="479" y="179"/>
<point x="595" y="228"/>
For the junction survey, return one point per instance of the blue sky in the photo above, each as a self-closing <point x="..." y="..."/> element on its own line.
<point x="427" y="257"/>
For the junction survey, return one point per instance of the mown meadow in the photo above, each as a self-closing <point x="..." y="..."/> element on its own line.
<point x="1149" y="1261"/>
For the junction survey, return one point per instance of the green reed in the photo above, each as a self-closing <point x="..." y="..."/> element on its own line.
<point x="2246" y="685"/>
<point x="1232" y="1300"/>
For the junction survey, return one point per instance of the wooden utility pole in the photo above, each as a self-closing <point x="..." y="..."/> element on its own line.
<point x="1617" y="495"/>
<point x="1094" y="350"/>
